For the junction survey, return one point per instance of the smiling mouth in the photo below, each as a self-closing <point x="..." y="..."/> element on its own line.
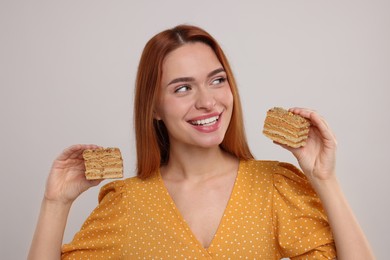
<point x="206" y="122"/>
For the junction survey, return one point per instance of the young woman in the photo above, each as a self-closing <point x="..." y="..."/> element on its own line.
<point x="198" y="192"/>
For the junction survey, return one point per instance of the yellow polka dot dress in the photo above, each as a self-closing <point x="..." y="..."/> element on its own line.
<point x="272" y="213"/>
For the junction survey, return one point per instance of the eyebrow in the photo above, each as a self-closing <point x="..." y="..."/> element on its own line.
<point x="191" y="79"/>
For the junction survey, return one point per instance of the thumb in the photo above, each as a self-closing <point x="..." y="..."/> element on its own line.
<point x="288" y="148"/>
<point x="89" y="184"/>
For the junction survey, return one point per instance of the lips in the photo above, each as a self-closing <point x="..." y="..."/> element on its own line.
<point x="206" y="121"/>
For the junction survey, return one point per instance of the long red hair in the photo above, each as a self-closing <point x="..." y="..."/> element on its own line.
<point x="151" y="135"/>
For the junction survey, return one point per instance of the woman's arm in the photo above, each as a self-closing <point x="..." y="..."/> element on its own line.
<point x="47" y="240"/>
<point x="350" y="240"/>
<point x="317" y="159"/>
<point x="65" y="183"/>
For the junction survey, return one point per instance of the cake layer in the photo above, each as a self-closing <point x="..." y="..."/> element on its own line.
<point x="290" y="118"/>
<point x="103" y="163"/>
<point x="282" y="140"/>
<point x="285" y="127"/>
<point x="291" y="138"/>
<point x="283" y="122"/>
<point x="105" y="175"/>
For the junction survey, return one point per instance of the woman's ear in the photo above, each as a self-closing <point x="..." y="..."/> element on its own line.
<point x="156" y="115"/>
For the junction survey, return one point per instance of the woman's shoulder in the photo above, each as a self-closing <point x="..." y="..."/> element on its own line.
<point x="273" y="169"/>
<point x="125" y="186"/>
<point x="284" y="179"/>
<point x="118" y="187"/>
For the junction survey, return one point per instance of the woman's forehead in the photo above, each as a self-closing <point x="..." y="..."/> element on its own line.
<point x="190" y="60"/>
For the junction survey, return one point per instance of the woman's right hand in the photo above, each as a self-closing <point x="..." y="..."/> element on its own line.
<point x="67" y="180"/>
<point x="65" y="183"/>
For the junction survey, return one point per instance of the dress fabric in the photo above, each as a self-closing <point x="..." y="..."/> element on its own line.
<point x="272" y="213"/>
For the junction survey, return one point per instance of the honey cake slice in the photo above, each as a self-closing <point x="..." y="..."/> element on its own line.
<point x="103" y="163"/>
<point x="285" y="127"/>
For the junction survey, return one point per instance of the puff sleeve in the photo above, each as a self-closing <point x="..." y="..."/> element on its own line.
<point x="300" y="224"/>
<point x="102" y="234"/>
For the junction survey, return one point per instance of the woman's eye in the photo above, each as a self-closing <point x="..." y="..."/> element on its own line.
<point x="218" y="81"/>
<point x="182" y="89"/>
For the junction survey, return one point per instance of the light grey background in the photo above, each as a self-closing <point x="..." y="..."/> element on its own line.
<point x="67" y="72"/>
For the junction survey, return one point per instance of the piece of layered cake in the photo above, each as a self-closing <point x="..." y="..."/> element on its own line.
<point x="103" y="163"/>
<point x="287" y="128"/>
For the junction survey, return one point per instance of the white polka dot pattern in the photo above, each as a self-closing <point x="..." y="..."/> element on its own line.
<point x="272" y="213"/>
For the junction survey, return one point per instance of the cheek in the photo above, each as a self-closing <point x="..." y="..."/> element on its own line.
<point x="169" y="108"/>
<point x="226" y="97"/>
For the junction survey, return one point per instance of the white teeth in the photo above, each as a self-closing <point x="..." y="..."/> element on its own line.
<point x="205" y="122"/>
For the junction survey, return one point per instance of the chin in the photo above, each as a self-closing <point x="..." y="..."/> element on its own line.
<point x="210" y="143"/>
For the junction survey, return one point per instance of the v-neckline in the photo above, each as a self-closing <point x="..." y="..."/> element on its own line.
<point x="222" y="220"/>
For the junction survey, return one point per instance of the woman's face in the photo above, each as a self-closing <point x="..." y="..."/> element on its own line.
<point x="196" y="101"/>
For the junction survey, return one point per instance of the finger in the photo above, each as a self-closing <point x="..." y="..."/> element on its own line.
<point x="304" y="112"/>
<point x="75" y="151"/>
<point x="89" y="184"/>
<point x="288" y="148"/>
<point x="322" y="126"/>
<point x="309" y="114"/>
<point x="79" y="152"/>
<point x="316" y="120"/>
<point x="95" y="182"/>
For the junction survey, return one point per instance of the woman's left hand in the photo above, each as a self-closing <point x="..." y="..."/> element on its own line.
<point x="317" y="158"/>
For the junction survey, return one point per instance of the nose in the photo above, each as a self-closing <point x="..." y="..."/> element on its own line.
<point x="205" y="99"/>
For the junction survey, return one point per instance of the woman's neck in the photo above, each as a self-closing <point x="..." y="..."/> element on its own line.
<point x="198" y="163"/>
